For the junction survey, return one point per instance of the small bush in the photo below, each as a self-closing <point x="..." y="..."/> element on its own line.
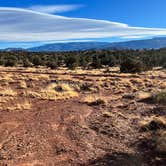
<point x="85" y="87"/>
<point x="160" y="98"/>
<point x="52" y="65"/>
<point x="2" y="62"/>
<point x="27" y="63"/>
<point x="72" y="62"/>
<point x="96" y="63"/>
<point x="37" y="61"/>
<point x="131" y="66"/>
<point x="10" y="63"/>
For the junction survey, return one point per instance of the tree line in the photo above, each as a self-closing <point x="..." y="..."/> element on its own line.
<point x="132" y="61"/>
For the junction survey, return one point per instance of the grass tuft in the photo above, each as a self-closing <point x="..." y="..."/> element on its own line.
<point x="94" y="100"/>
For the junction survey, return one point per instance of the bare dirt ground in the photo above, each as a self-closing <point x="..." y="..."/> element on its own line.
<point x="86" y="118"/>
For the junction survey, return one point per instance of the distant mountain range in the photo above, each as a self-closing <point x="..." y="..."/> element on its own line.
<point x="74" y="46"/>
<point x="154" y="43"/>
<point x="13" y="49"/>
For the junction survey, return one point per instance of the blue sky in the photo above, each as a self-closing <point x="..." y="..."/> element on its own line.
<point x="34" y="22"/>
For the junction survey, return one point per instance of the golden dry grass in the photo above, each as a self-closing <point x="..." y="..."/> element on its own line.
<point x="94" y="100"/>
<point x="7" y="92"/>
<point x="107" y="114"/>
<point x="43" y="77"/>
<point x="54" y="92"/>
<point x="162" y="84"/>
<point x="23" y="84"/>
<point x="153" y="123"/>
<point x="143" y="95"/>
<point x="26" y="105"/>
<point x="6" y="78"/>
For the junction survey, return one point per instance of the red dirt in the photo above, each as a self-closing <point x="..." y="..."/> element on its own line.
<point x="70" y="132"/>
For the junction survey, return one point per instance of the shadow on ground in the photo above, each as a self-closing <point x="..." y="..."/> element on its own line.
<point x="116" y="159"/>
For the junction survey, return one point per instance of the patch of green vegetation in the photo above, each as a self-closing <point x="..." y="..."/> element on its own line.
<point x="131" y="61"/>
<point x="160" y="97"/>
<point x="131" y="65"/>
<point x="164" y="66"/>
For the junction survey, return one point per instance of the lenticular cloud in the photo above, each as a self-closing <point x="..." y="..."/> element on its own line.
<point x="19" y="25"/>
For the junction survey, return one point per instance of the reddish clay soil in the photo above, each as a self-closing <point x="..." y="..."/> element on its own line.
<point x="70" y="132"/>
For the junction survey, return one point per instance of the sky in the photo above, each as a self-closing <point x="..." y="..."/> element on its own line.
<point x="31" y="23"/>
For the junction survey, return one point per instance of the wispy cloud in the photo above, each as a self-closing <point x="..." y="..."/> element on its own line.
<point x="134" y="37"/>
<point x="54" y="8"/>
<point x="22" y="25"/>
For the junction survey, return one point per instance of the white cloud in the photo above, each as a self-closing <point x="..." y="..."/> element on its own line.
<point x="134" y="37"/>
<point x="22" y="25"/>
<point x="54" y="8"/>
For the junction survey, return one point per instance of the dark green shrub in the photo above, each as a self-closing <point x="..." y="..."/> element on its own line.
<point x="72" y="62"/>
<point x="27" y="63"/>
<point x="96" y="63"/>
<point x="37" y="61"/>
<point x="10" y="63"/>
<point x="2" y="62"/>
<point x="108" y="60"/>
<point x="131" y="65"/>
<point x="83" y="62"/>
<point x="52" y="65"/>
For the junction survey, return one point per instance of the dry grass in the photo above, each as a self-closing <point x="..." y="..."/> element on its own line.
<point x="43" y="77"/>
<point x="153" y="123"/>
<point x="6" y="78"/>
<point x="54" y="92"/>
<point x="23" y="84"/>
<point x="93" y="100"/>
<point x="7" y="92"/>
<point x="137" y="83"/>
<point x="162" y="85"/>
<point x="26" y="105"/>
<point x="90" y="87"/>
<point x="32" y="94"/>
<point x="107" y="114"/>
<point x="141" y="96"/>
<point x="160" y="141"/>
<point x="38" y="77"/>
